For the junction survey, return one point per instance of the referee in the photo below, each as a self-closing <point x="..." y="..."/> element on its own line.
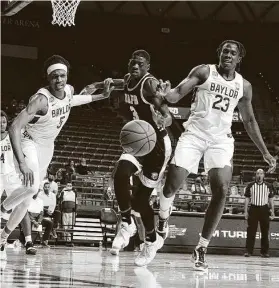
<point x="260" y="193"/>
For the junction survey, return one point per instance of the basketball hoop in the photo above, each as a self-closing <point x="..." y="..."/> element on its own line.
<point x="64" y="12"/>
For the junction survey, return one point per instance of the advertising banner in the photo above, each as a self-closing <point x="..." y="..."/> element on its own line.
<point x="184" y="231"/>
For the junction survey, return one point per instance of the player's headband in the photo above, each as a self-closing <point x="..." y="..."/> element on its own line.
<point x="58" y="66"/>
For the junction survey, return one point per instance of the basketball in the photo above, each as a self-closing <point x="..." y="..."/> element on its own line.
<point x="138" y="138"/>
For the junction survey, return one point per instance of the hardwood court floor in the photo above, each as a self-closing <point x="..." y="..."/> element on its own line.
<point x="89" y="267"/>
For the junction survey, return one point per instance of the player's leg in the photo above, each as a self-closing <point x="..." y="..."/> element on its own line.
<point x="153" y="241"/>
<point x="22" y="192"/>
<point x="125" y="168"/>
<point x="186" y="160"/>
<point x="217" y="160"/>
<point x="27" y="231"/>
<point x="22" y="196"/>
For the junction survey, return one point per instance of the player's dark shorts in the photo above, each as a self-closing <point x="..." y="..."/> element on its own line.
<point x="152" y="166"/>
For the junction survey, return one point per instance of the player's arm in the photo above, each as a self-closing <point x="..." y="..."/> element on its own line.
<point x="150" y="87"/>
<point x="36" y="105"/>
<point x="85" y="96"/>
<point x="251" y="126"/>
<point x="197" y="76"/>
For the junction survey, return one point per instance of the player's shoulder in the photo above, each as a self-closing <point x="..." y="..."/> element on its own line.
<point x="72" y="89"/>
<point x="39" y="98"/>
<point x="201" y="71"/>
<point x="126" y="77"/>
<point x="246" y="84"/>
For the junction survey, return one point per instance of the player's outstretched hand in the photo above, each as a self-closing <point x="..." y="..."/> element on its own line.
<point x="163" y="88"/>
<point x="28" y="176"/>
<point x="271" y="162"/>
<point x="107" y="88"/>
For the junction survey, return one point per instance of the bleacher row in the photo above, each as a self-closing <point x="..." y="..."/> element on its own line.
<point x="95" y="137"/>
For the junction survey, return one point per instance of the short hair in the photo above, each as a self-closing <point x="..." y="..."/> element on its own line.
<point x="46" y="183"/>
<point x="241" y="48"/>
<point x="54" y="59"/>
<point x="142" y="53"/>
<point x="4" y="114"/>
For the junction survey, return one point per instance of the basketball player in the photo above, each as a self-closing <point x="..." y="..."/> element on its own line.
<point x="142" y="103"/>
<point x="218" y="89"/>
<point x="33" y="133"/>
<point x="10" y="179"/>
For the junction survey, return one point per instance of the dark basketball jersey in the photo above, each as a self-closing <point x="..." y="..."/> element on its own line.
<point x="135" y="105"/>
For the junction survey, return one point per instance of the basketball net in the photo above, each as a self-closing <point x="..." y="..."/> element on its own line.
<point x="64" y="12"/>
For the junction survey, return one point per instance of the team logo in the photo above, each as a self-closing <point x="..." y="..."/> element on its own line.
<point x="237" y="86"/>
<point x="154" y="175"/>
<point x="51" y="99"/>
<point x="214" y="74"/>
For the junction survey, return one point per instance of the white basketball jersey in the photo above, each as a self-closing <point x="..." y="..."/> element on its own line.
<point x="213" y="106"/>
<point x="7" y="156"/>
<point x="44" y="129"/>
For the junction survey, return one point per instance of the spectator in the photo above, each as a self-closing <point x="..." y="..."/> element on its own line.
<point x="276" y="205"/>
<point x="197" y="188"/>
<point x="36" y="215"/>
<point x="276" y="186"/>
<point x="60" y="179"/>
<point x="82" y="168"/>
<point x="185" y="197"/>
<point x="49" y="200"/>
<point x="68" y="208"/>
<point x="234" y="195"/>
<point x="21" y="105"/>
<point x="261" y="194"/>
<point x="70" y="170"/>
<point x="52" y="183"/>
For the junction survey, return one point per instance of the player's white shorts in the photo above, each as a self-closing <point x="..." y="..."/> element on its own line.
<point x="190" y="149"/>
<point x="9" y="182"/>
<point x="37" y="156"/>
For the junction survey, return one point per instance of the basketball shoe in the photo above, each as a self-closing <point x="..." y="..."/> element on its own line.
<point x="122" y="238"/>
<point x="149" y="250"/>
<point x="163" y="226"/>
<point x="198" y="259"/>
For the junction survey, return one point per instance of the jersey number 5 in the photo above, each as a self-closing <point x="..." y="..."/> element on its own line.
<point x="222" y="99"/>
<point x="61" y="122"/>
<point x="134" y="112"/>
<point x="3" y="158"/>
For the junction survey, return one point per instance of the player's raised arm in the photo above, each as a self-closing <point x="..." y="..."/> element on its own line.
<point x="37" y="104"/>
<point x="150" y="86"/>
<point x="251" y="126"/>
<point x="197" y="76"/>
<point x="86" y="96"/>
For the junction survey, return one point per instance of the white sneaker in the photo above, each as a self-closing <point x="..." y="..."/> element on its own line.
<point x="122" y="238"/>
<point x="149" y="250"/>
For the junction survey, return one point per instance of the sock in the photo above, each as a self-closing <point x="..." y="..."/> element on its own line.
<point x="165" y="205"/>
<point x="28" y="239"/>
<point x="151" y="236"/>
<point x="5" y="233"/>
<point x="126" y="216"/>
<point x="202" y="243"/>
